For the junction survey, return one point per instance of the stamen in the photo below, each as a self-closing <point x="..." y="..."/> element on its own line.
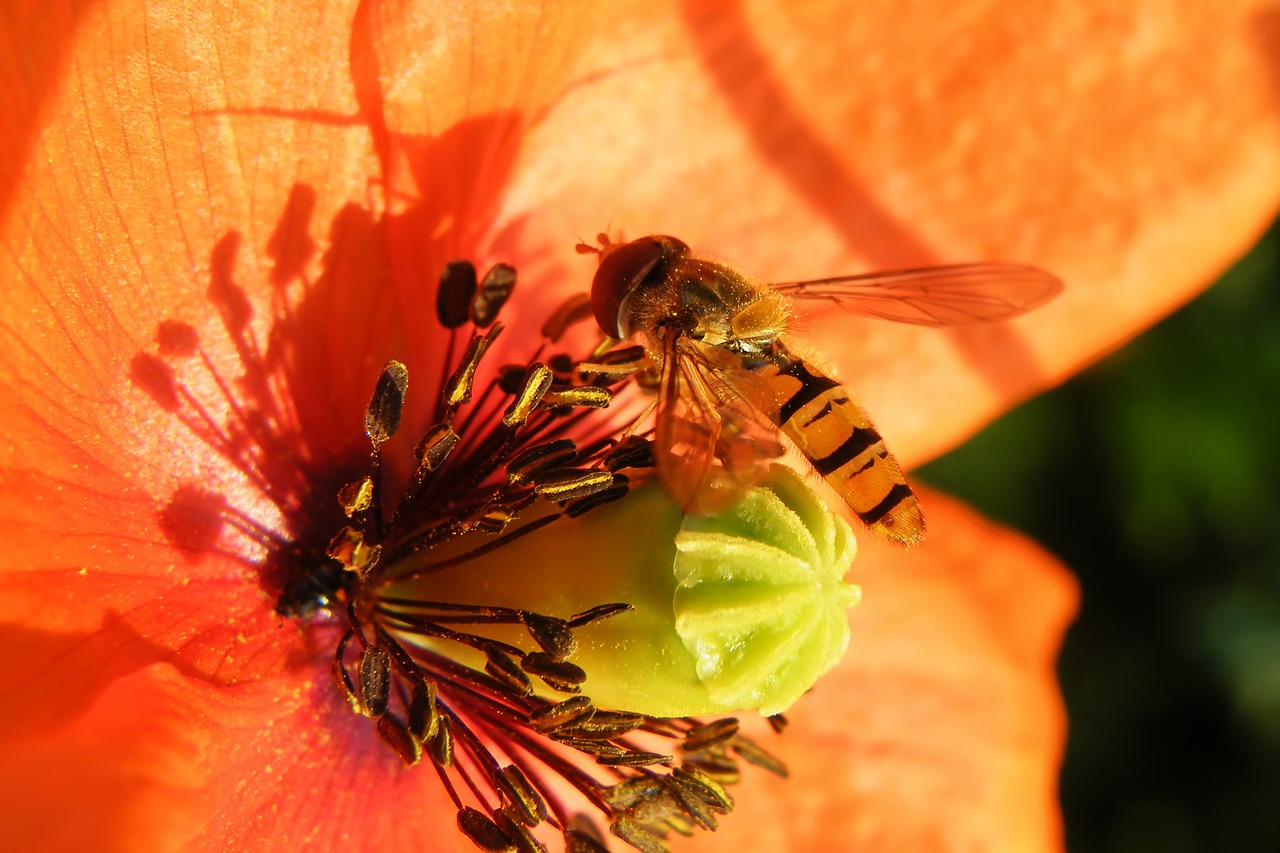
<point x="483" y="832"/>
<point x="400" y="739"/>
<point x="536" y="383"/>
<point x="567" y="484"/>
<point x="457" y="392"/>
<point x="637" y="835"/>
<point x="520" y="794"/>
<point x="559" y="675"/>
<point x="709" y="735"/>
<point x="585" y="396"/>
<point x="375" y="681"/>
<point x="342" y="678"/>
<point x="441" y="743"/>
<point x="622" y="361"/>
<point x="553" y="636"/>
<point x="435" y="447"/>
<point x="356" y="497"/>
<point x="424" y="716"/>
<point x="494" y="292"/>
<point x="382" y="418"/>
<point x="577" y="841"/>
<point x="631" y="452"/>
<point x="527" y="464"/>
<point x="601" y="611"/>
<point x="457" y="290"/>
<point x="616" y="489"/>
<point x="503" y="667"/>
<point x="577" y="709"/>
<point x="498" y="717"/>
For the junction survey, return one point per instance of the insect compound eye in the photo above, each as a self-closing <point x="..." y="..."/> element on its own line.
<point x="622" y="267"/>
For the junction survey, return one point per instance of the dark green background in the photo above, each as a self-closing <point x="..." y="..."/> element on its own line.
<point x="1155" y="475"/>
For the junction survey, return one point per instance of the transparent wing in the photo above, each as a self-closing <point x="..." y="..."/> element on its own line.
<point x="712" y="441"/>
<point x="935" y="296"/>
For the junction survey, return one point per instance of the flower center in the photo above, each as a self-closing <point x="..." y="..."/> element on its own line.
<point x="489" y="695"/>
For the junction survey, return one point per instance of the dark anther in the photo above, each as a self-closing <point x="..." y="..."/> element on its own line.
<point x="521" y="834"/>
<point x="637" y="835"/>
<point x="692" y="802"/>
<point x="576" y="709"/>
<point x="563" y="365"/>
<point x="606" y="725"/>
<point x="709" y="735"/>
<point x="616" y="362"/>
<point x="395" y="735"/>
<point x="631" y="452"/>
<point x="717" y="765"/>
<point x="594" y="748"/>
<point x="375" y="680"/>
<point x="441" y="745"/>
<point x="457" y="289"/>
<point x="515" y="787"/>
<point x="577" y="841"/>
<point x="424" y="716"/>
<point x="436" y="445"/>
<point x="580" y="396"/>
<point x="708" y="790"/>
<point x="382" y="418"/>
<point x="536" y="383"/>
<point x="633" y="759"/>
<point x="570" y="484"/>
<point x="557" y="674"/>
<point x="493" y="294"/>
<point x="356" y="497"/>
<point x="483" y="832"/>
<point x="529" y="463"/>
<point x="600" y="611"/>
<point x="457" y="391"/>
<point x="552" y="635"/>
<point x="753" y="754"/>
<point x="617" y="489"/>
<point x="511" y="378"/>
<point x="503" y="667"/>
<point x="630" y="793"/>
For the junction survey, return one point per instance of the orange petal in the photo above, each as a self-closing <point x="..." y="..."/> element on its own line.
<point x="1133" y="151"/>
<point x="166" y="165"/>
<point x="160" y="761"/>
<point x="181" y="179"/>
<point x="126" y="768"/>
<point x="943" y="727"/>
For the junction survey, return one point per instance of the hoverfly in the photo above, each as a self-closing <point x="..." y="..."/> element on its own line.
<point x="728" y="381"/>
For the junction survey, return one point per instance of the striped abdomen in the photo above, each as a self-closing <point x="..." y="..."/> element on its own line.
<point x="836" y="435"/>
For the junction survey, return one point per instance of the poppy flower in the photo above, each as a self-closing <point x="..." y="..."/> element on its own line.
<point x="221" y="223"/>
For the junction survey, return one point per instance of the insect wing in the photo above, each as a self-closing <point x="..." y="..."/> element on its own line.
<point x="712" y="442"/>
<point x="934" y="296"/>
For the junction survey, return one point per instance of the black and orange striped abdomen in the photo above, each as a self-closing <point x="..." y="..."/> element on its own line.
<point x="836" y="435"/>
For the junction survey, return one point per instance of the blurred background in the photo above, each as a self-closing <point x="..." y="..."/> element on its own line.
<point x="1155" y="476"/>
